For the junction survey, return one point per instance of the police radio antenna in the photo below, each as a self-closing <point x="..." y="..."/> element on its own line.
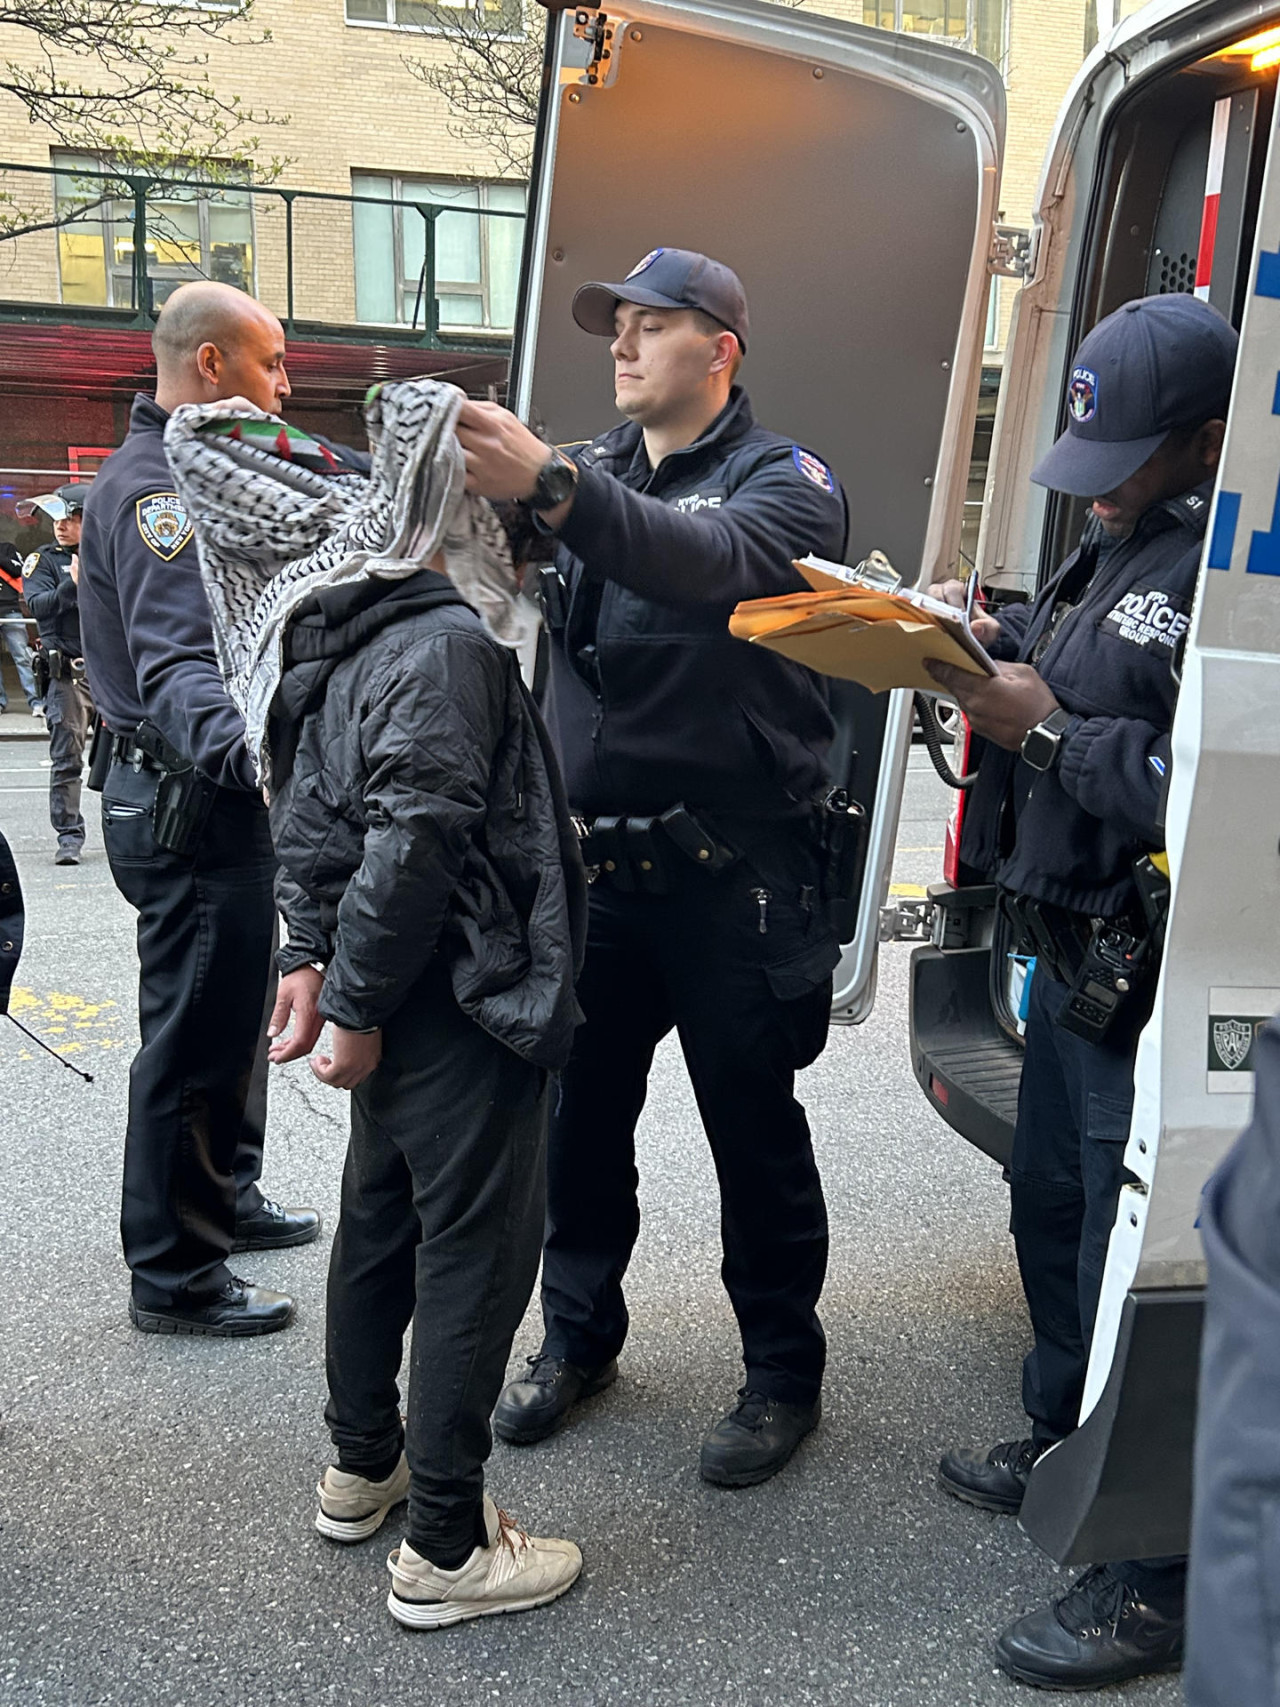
<point x="79" y="1072"/>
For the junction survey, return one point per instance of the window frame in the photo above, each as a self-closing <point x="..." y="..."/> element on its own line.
<point x="968" y="41"/>
<point x="406" y="288"/>
<point x="515" y="32"/>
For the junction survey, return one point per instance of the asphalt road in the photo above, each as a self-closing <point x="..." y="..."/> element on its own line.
<point x="156" y="1495"/>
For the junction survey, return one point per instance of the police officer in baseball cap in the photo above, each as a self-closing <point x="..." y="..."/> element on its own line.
<point x="52" y="575"/>
<point x="1067" y="809"/>
<point x="693" y="763"/>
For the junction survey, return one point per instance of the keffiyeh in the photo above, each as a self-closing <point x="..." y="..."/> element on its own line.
<point x="270" y="531"/>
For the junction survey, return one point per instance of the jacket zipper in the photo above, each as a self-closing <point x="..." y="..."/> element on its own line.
<point x="762" y="898"/>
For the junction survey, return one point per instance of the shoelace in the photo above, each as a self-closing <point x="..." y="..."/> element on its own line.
<point x="272" y="1208"/>
<point x="750" y="1410"/>
<point x="543" y="1368"/>
<point x="510" y="1532"/>
<point x="1098" y="1598"/>
<point x="1015" y="1455"/>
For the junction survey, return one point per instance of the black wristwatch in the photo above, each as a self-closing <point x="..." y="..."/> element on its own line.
<point x="1040" y="746"/>
<point x="557" y="480"/>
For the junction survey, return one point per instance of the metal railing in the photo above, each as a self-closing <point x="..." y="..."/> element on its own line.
<point x="136" y="191"/>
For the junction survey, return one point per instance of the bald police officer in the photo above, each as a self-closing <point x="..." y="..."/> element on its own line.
<point x="51" y="575"/>
<point x="186" y="831"/>
<point x="696" y="762"/>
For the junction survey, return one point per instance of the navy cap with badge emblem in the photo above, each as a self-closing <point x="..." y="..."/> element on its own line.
<point x="667" y="278"/>
<point x="1157" y="364"/>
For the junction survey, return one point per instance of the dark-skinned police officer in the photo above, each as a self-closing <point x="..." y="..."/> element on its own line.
<point x="1066" y="806"/>
<point x="695" y="761"/>
<point x="51" y="574"/>
<point x="185" y="827"/>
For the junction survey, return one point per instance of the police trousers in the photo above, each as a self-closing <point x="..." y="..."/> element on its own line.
<point x="198" y="1084"/>
<point x="750" y="1006"/>
<point x="443" y="1195"/>
<point x="1075" y="1102"/>
<point x="68" y="711"/>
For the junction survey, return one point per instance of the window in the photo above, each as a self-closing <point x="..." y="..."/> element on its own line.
<point x="192" y="233"/>
<point x="454" y="16"/>
<point x="477" y="255"/>
<point x="976" y="24"/>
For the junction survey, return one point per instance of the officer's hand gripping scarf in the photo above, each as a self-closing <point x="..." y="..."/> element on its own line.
<point x="272" y="531"/>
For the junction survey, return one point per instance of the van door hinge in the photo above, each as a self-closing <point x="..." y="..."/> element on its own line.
<point x="595" y="29"/>
<point x="907" y="921"/>
<point x="1012" y="252"/>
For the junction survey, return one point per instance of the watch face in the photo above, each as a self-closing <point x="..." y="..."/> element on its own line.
<point x="1038" y="748"/>
<point x="555" y="483"/>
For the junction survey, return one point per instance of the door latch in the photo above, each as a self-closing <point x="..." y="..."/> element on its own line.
<point x="1012" y="252"/>
<point x="595" y="29"/>
<point x="907" y="921"/>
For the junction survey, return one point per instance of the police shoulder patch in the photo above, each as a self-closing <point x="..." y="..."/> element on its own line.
<point x="813" y="468"/>
<point x="163" y="524"/>
<point x="29" y="563"/>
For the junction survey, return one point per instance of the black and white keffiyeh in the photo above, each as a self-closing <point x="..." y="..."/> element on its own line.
<point x="271" y="532"/>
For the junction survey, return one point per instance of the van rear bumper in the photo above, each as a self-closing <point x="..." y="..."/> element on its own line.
<point x="965" y="1064"/>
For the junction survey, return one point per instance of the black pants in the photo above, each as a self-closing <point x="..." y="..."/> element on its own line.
<point x="68" y="711"/>
<point x="197" y="1087"/>
<point x="1075" y="1102"/>
<point x="750" y="1007"/>
<point x="442" y="1205"/>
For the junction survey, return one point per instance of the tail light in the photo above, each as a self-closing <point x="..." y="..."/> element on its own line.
<point x="955" y="818"/>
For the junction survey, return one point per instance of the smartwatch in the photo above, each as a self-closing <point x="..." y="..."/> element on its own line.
<point x="1040" y="746"/>
<point x="557" y="480"/>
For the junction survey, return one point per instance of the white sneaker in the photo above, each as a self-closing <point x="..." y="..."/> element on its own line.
<point x="352" y="1507"/>
<point x="514" y="1573"/>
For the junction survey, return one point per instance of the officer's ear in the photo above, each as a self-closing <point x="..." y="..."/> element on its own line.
<point x="728" y="356"/>
<point x="209" y="363"/>
<point x="1208" y="443"/>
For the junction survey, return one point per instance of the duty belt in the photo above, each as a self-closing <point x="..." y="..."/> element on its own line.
<point x="64" y="664"/>
<point x="635" y="854"/>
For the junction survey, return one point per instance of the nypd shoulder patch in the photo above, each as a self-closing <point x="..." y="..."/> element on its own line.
<point x="163" y="524"/>
<point x="29" y="563"/>
<point x="813" y="468"/>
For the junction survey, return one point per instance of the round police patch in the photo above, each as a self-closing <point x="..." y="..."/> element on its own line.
<point x="29" y="563"/>
<point x="1082" y="394"/>
<point x="163" y="524"/>
<point x="813" y="469"/>
<point x="648" y="261"/>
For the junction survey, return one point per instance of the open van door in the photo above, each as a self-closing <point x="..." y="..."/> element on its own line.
<point x="849" y="176"/>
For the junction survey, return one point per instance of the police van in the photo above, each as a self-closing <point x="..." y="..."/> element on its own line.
<point x="851" y="177"/>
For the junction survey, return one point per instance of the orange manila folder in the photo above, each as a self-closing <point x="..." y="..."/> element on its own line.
<point x="859" y="633"/>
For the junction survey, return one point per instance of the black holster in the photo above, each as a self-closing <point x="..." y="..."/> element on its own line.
<point x="184" y="795"/>
<point x="40" y="670"/>
<point x="842" y="835"/>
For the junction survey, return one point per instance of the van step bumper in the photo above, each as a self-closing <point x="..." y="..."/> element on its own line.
<point x="965" y="1064"/>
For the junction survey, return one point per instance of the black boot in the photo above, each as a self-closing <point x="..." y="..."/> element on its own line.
<point x="994" y="1480"/>
<point x="240" y="1311"/>
<point x="273" y="1227"/>
<point x="1098" y="1632"/>
<point x="755" y="1439"/>
<point x="532" y="1409"/>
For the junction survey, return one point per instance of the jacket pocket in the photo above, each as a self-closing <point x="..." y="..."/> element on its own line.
<point x="803" y="969"/>
<point x="1108" y="1119"/>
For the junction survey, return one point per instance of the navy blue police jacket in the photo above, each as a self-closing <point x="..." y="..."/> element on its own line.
<point x="650" y="700"/>
<point x="51" y="598"/>
<point x="1069" y="835"/>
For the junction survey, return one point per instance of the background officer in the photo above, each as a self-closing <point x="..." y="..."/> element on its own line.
<point x="697" y="761"/>
<point x="13" y="626"/>
<point x="1068" y="801"/>
<point x="186" y="832"/>
<point x="51" y="575"/>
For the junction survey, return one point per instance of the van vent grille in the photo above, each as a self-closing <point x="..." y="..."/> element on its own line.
<point x="1177" y="274"/>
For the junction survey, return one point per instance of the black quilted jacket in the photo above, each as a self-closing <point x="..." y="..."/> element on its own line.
<point x="417" y="812"/>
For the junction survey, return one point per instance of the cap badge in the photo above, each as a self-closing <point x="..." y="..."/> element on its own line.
<point x="1082" y="394"/>
<point x="813" y="469"/>
<point x="642" y="266"/>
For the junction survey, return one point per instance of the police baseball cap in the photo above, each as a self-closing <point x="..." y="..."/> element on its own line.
<point x="667" y="278"/>
<point x="1156" y="364"/>
<point x="66" y="501"/>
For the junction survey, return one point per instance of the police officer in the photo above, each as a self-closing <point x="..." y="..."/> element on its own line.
<point x="1067" y="802"/>
<point x="185" y="827"/>
<point x="51" y="574"/>
<point x="694" y="762"/>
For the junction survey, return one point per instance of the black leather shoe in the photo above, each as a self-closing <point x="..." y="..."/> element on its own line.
<point x="532" y="1409"/>
<point x="1098" y="1632"/>
<point x="755" y="1440"/>
<point x="274" y="1226"/>
<point x="239" y="1311"/>
<point x="993" y="1481"/>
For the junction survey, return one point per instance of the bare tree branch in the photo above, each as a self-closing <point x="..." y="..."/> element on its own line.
<point x="127" y="81"/>
<point x="491" y="82"/>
